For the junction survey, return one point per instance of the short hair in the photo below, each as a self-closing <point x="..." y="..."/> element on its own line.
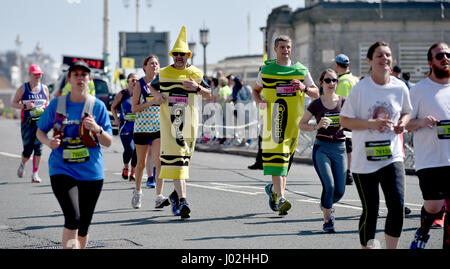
<point x="280" y="38"/>
<point x="429" y="56"/>
<point x="397" y="69"/>
<point x="145" y="61"/>
<point x="374" y="46"/>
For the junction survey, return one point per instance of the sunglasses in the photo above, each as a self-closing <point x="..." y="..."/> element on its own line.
<point x="440" y="55"/>
<point x="133" y="80"/>
<point x="178" y="53"/>
<point x="329" y="80"/>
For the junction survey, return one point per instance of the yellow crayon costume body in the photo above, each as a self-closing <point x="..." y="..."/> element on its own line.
<point x="178" y="121"/>
<point x="285" y="107"/>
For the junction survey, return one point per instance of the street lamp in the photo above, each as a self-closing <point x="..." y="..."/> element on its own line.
<point x="204" y="40"/>
<point x="126" y="3"/>
<point x="192" y="46"/>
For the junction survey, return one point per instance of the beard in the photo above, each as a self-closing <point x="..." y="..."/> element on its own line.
<point x="439" y="72"/>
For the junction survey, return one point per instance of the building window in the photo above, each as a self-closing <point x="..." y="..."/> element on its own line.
<point x="413" y="59"/>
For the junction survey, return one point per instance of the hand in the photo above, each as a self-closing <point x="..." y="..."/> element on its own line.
<point x="117" y="122"/>
<point x="323" y="123"/>
<point x="298" y="85"/>
<point x="190" y="84"/>
<point x="400" y="127"/>
<point x="90" y="124"/>
<point x="159" y="99"/>
<point x="380" y="124"/>
<point x="55" y="142"/>
<point x="29" y="105"/>
<point x="429" y="121"/>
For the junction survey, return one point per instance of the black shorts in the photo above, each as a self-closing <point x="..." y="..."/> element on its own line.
<point x="434" y="183"/>
<point x="145" y="138"/>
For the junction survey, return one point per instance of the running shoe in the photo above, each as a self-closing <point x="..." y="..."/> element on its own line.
<point x="272" y="197"/>
<point x="151" y="182"/>
<point x="407" y="210"/>
<point x="20" y="170"/>
<point x="420" y="241"/>
<point x="137" y="199"/>
<point x="125" y="173"/>
<point x="132" y="178"/>
<point x="283" y="206"/>
<point x="161" y="201"/>
<point x="35" y="178"/>
<point x="184" y="210"/>
<point x="328" y="226"/>
<point x="173" y="199"/>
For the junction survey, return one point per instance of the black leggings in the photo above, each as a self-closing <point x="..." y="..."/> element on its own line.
<point x="392" y="181"/>
<point x="77" y="200"/>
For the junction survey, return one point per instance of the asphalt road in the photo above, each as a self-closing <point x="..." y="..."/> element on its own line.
<point x="229" y="208"/>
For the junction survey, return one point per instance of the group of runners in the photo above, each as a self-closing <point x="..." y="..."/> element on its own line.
<point x="159" y="111"/>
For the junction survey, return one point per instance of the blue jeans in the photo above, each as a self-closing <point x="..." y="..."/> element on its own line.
<point x="330" y="162"/>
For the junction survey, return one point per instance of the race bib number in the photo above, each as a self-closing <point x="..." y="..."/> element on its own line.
<point x="175" y="98"/>
<point x="286" y="90"/>
<point x="130" y="117"/>
<point x="75" y="152"/>
<point x="443" y="129"/>
<point x="378" y="150"/>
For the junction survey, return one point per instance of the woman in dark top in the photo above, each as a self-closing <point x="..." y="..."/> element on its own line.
<point x="329" y="155"/>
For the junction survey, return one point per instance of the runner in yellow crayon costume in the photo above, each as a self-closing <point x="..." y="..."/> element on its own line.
<point x="285" y="107"/>
<point x="283" y="86"/>
<point x="179" y="87"/>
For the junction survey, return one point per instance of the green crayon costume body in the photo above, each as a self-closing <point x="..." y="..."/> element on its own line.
<point x="285" y="107"/>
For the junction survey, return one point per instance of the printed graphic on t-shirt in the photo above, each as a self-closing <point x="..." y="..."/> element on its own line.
<point x="443" y="128"/>
<point x="381" y="110"/>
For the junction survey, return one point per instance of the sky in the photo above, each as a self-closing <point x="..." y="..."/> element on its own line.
<point x="75" y="27"/>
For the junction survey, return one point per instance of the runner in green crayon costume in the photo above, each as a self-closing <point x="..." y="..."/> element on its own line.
<point x="177" y="89"/>
<point x="283" y="86"/>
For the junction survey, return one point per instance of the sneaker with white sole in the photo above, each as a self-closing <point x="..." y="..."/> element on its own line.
<point x="20" y="170"/>
<point x="283" y="206"/>
<point x="161" y="201"/>
<point x="137" y="199"/>
<point x="35" y="178"/>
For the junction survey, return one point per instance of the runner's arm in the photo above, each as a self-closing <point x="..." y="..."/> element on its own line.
<point x="17" y="101"/>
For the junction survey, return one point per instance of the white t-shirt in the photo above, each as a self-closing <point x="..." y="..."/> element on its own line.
<point x="368" y="100"/>
<point x="430" y="98"/>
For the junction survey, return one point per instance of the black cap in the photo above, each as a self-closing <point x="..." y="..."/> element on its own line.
<point x="81" y="65"/>
<point x="397" y="69"/>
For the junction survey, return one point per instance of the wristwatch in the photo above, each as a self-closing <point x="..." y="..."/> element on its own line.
<point x="198" y="88"/>
<point x="101" y="131"/>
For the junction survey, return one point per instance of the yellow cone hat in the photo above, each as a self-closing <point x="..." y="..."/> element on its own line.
<point x="181" y="45"/>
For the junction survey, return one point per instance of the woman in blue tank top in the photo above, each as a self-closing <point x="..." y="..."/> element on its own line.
<point x="126" y="125"/>
<point x="32" y="98"/>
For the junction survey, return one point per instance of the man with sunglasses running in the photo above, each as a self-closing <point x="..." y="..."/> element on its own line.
<point x="177" y="89"/>
<point x="283" y="86"/>
<point x="430" y="121"/>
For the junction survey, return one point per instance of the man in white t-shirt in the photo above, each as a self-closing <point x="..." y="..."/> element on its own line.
<point x="430" y="121"/>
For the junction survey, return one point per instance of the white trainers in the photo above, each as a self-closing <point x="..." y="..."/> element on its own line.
<point x="35" y="178"/>
<point x="137" y="198"/>
<point x="20" y="170"/>
<point x="161" y="201"/>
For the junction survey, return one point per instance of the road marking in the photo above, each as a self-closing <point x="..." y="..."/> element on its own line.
<point x="222" y="189"/>
<point x="10" y="155"/>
